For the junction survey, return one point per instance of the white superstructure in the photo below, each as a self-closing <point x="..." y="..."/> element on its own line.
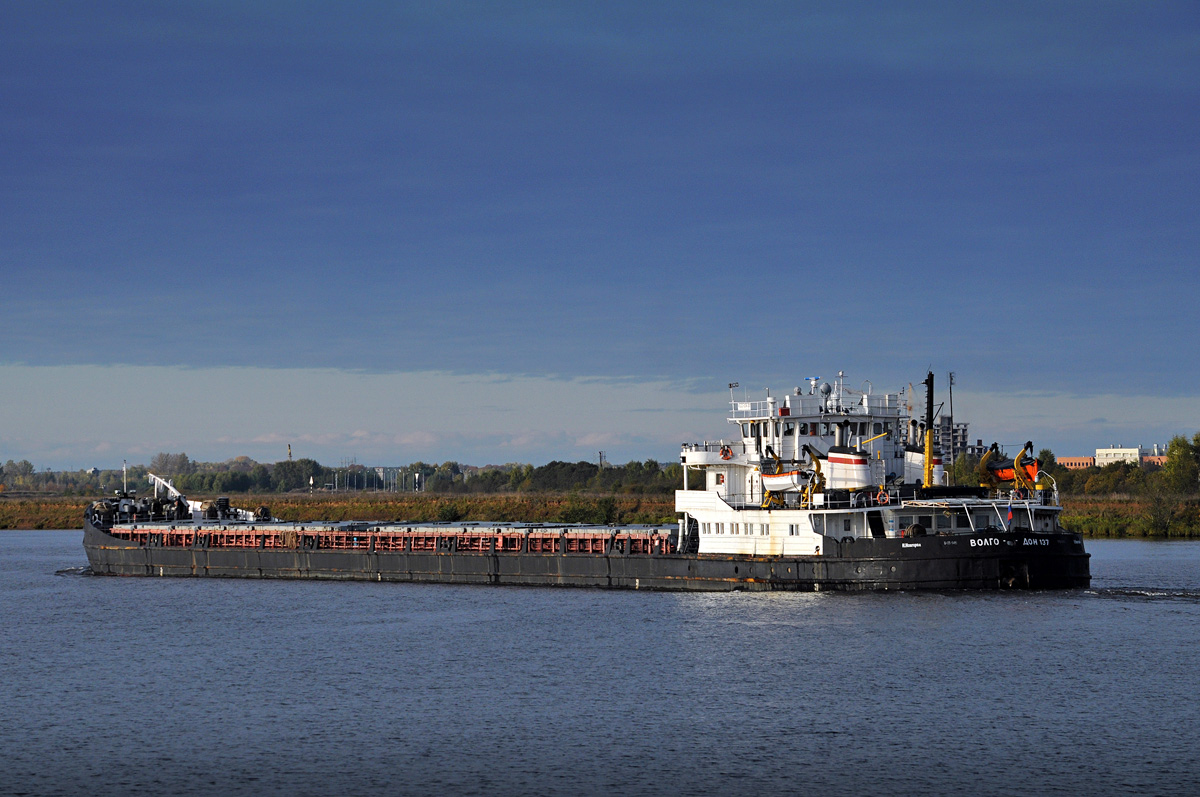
<point x="836" y="462"/>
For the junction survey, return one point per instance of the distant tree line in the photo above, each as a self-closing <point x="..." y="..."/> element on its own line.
<point x="244" y="475"/>
<point x="23" y="477"/>
<point x="648" y="477"/>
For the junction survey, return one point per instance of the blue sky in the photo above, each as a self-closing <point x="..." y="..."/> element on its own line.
<point x="461" y="205"/>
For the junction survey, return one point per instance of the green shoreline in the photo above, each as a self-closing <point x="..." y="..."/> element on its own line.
<point x="1097" y="518"/>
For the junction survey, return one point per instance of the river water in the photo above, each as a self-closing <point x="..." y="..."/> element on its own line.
<point x="180" y="686"/>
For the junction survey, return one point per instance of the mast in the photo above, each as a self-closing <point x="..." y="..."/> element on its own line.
<point x="928" y="476"/>
<point x="950" y="455"/>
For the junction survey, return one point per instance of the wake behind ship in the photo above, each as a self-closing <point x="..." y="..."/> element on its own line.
<point x="824" y="490"/>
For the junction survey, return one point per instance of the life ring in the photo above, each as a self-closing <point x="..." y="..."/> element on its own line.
<point x="882" y="497"/>
<point x="726" y="452"/>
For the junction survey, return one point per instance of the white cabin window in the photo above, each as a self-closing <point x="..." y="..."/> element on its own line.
<point x="734" y="529"/>
<point x="789" y="429"/>
<point x="720" y="528"/>
<point x="764" y="529"/>
<point x="745" y="430"/>
<point x="793" y="529"/>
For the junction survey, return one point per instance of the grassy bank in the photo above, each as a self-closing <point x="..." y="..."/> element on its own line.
<point x="527" y="508"/>
<point x="1120" y="516"/>
<point x="1111" y="517"/>
<point x="42" y="513"/>
<point x="67" y="513"/>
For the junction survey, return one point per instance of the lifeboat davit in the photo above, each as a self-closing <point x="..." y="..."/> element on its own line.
<point x="1024" y="469"/>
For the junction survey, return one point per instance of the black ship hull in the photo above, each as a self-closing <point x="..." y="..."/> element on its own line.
<point x="985" y="561"/>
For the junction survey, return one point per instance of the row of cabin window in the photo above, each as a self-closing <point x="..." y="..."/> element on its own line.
<point x="958" y="520"/>
<point x="822" y="525"/>
<point x="982" y="520"/>
<point x="763" y="529"/>
<point x="813" y="429"/>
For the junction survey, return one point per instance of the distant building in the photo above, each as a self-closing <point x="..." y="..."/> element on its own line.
<point x="1107" y="456"/>
<point x="950" y="438"/>
<point x="977" y="450"/>
<point x="1156" y="455"/>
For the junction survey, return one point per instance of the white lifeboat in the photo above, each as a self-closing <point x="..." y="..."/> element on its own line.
<point x="792" y="481"/>
<point x="914" y="466"/>
<point x="847" y="469"/>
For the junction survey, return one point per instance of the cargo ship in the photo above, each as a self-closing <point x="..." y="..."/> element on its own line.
<point x="826" y="489"/>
